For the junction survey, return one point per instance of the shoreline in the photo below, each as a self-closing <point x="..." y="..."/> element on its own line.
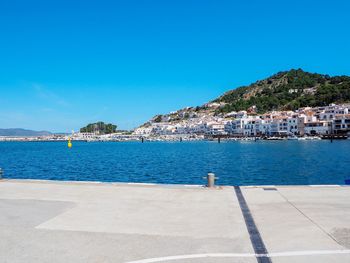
<point x="178" y="139"/>
<point x="189" y="186"/>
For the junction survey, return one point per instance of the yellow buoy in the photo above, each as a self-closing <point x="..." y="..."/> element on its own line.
<point x="70" y="143"/>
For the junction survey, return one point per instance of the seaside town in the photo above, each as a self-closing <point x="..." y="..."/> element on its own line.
<point x="329" y="122"/>
<point x="305" y="122"/>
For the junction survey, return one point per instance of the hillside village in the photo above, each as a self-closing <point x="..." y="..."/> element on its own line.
<point x="288" y="104"/>
<point x="332" y="119"/>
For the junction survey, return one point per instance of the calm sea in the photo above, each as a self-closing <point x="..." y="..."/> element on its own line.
<point x="236" y="163"/>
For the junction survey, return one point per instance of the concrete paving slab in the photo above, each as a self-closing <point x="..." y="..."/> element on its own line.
<point x="315" y="258"/>
<point x="294" y="219"/>
<point x="30" y="213"/>
<point x="33" y="245"/>
<point x="93" y="222"/>
<point x="327" y="207"/>
<point x="121" y="223"/>
<point x="182" y="213"/>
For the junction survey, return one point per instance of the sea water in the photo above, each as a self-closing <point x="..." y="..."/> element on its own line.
<point x="235" y="163"/>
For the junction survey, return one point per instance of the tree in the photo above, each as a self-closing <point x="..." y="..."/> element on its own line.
<point x="100" y="128"/>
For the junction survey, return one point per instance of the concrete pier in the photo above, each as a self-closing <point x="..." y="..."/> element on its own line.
<point x="48" y="221"/>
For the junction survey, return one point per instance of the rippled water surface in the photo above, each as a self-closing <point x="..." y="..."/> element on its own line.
<point x="236" y="163"/>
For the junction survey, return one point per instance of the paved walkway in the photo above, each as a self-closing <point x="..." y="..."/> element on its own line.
<point x="43" y="221"/>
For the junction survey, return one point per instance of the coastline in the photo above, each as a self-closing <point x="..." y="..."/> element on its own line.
<point x="162" y="185"/>
<point x="170" y="138"/>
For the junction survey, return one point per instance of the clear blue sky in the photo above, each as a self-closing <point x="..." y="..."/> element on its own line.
<point x="67" y="63"/>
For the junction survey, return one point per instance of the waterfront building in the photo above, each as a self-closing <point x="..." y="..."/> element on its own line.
<point x="341" y="124"/>
<point x="216" y="128"/>
<point x="251" y="126"/>
<point x="84" y="136"/>
<point x="279" y="126"/>
<point x="235" y="127"/>
<point x="292" y="125"/>
<point x="318" y="128"/>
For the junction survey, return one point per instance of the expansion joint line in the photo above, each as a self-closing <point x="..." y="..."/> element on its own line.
<point x="307" y="217"/>
<point x="254" y="234"/>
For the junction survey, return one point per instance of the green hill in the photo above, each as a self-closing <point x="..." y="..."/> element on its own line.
<point x="99" y="128"/>
<point x="287" y="90"/>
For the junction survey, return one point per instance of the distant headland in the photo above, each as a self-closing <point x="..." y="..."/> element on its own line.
<point x="15" y="132"/>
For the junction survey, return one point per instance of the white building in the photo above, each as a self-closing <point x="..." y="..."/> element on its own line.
<point x="341" y="124"/>
<point x="328" y="113"/>
<point x="292" y="125"/>
<point x="318" y="128"/>
<point x="279" y="126"/>
<point x="143" y="131"/>
<point x="251" y="126"/>
<point x="235" y="127"/>
<point x="216" y="128"/>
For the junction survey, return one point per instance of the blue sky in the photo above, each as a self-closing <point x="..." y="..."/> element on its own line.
<point x="64" y="64"/>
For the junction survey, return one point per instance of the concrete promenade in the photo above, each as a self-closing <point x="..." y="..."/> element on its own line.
<point x="54" y="222"/>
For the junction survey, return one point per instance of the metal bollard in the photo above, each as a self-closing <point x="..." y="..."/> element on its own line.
<point x="211" y="180"/>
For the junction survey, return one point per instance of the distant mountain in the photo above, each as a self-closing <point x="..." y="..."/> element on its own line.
<point x="287" y="90"/>
<point x="17" y="132"/>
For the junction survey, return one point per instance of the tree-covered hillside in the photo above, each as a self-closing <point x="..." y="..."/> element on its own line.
<point x="100" y="128"/>
<point x="288" y="90"/>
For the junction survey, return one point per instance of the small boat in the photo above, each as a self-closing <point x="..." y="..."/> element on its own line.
<point x="309" y="138"/>
<point x="312" y="138"/>
<point x="275" y="139"/>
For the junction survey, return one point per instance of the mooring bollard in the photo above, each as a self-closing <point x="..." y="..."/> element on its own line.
<point x="211" y="180"/>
